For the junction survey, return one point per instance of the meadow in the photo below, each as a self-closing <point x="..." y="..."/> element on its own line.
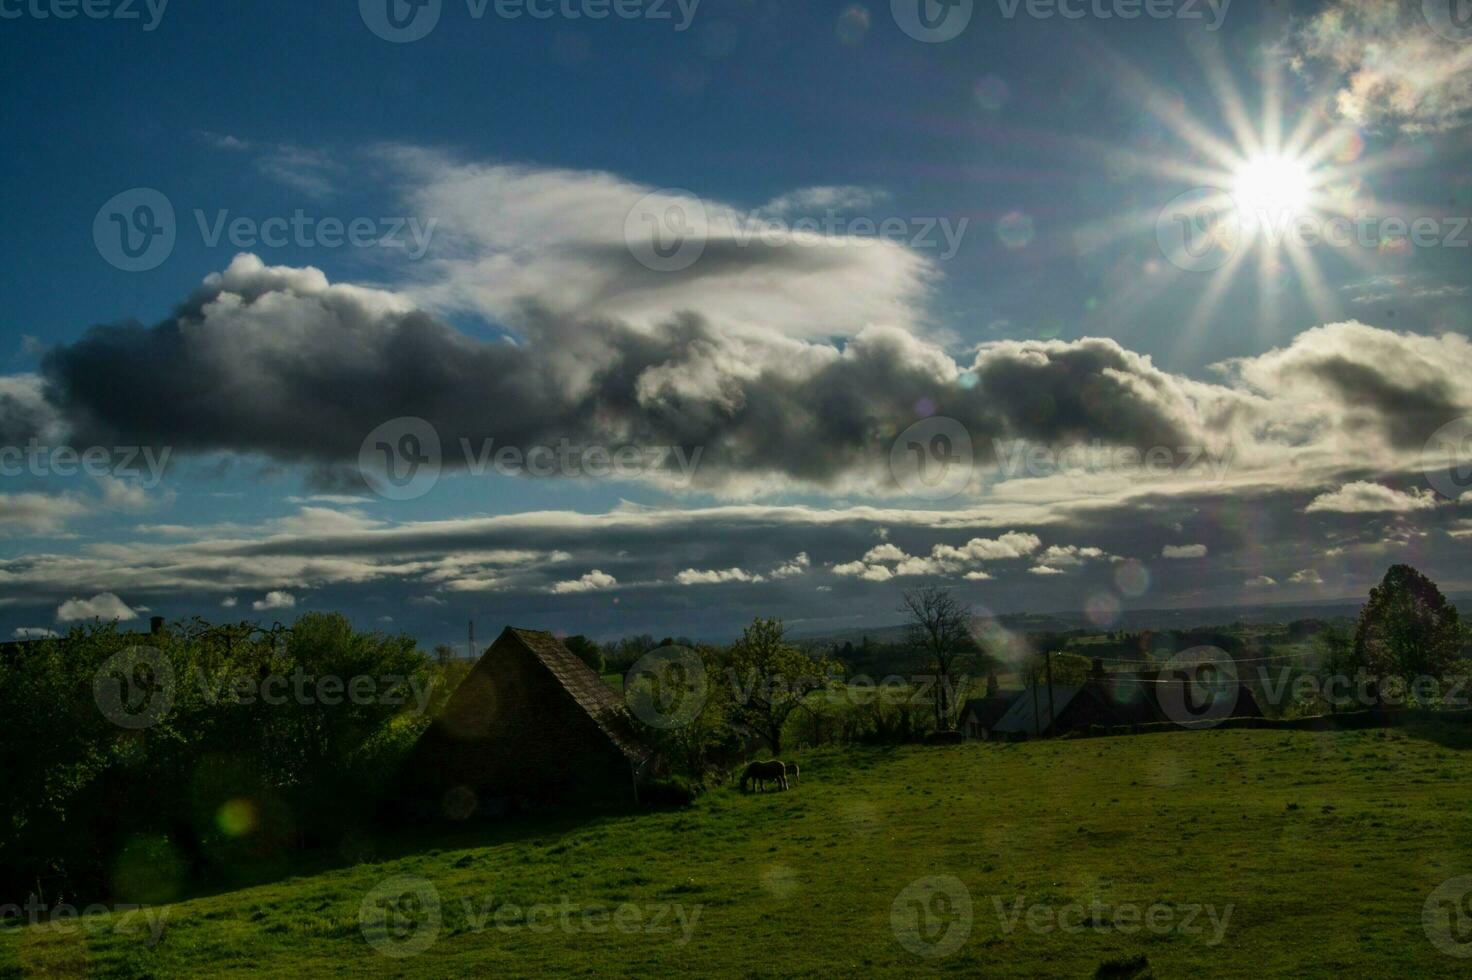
<point x="1217" y="853"/>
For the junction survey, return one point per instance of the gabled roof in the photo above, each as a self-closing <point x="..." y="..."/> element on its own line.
<point x="986" y="712"/>
<point x="596" y="698"/>
<point x="1020" y="717"/>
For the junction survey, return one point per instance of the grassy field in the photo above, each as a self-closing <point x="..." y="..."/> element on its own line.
<point x="1304" y="854"/>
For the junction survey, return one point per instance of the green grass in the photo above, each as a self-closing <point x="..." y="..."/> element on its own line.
<point x="1325" y="846"/>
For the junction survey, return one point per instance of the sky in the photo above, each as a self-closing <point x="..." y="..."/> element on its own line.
<point x="640" y="316"/>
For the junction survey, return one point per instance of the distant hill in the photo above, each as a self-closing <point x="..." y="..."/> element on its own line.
<point x="1200" y="617"/>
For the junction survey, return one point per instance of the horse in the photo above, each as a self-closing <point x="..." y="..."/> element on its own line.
<point x="760" y="772"/>
<point x="792" y="772"/>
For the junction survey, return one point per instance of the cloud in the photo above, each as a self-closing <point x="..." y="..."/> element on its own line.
<point x="104" y="606"/>
<point x="1260" y="582"/>
<point x="1306" y="576"/>
<point x="38" y="513"/>
<point x="1394" y="72"/>
<point x="1045" y="570"/>
<point x="229" y="602"/>
<point x="273" y="601"/>
<point x="691" y="576"/>
<point x="798" y="565"/>
<point x="1362" y="497"/>
<point x="947" y="559"/>
<point x="1183" y="551"/>
<point x="591" y="582"/>
<point x="35" y="633"/>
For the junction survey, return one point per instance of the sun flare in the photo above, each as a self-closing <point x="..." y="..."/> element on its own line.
<point x="1269" y="188"/>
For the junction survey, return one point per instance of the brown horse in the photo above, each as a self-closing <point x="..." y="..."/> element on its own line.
<point x="760" y="772"/>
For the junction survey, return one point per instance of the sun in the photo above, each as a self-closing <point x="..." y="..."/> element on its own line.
<point x="1270" y="188"/>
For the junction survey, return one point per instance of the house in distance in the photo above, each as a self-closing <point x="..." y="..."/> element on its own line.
<point x="530" y="726"/>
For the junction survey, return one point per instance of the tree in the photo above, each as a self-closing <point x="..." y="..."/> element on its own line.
<point x="770" y="678"/>
<point x="1407" y="629"/>
<point x="587" y="651"/>
<point x="940" y="627"/>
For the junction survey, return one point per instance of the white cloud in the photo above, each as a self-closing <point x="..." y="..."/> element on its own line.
<point x="35" y="633"/>
<point x="691" y="576"/>
<point x="1183" y="551"/>
<point x="38" y="513"/>
<point x="799" y="564"/>
<point x="1394" y="71"/>
<point x="104" y="606"/>
<point x="274" y="601"/>
<point x="1307" y="576"/>
<point x="1044" y="570"/>
<point x="1372" y="498"/>
<point x="591" y="582"/>
<point x="1260" y="582"/>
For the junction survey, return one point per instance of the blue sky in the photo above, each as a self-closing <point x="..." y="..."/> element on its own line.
<point x="1053" y="148"/>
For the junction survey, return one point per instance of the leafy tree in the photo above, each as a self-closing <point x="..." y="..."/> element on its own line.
<point x="770" y="678"/>
<point x="587" y="651"/>
<point x="1407" y="629"/>
<point x="940" y="626"/>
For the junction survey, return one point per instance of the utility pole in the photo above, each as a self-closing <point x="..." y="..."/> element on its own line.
<point x="1049" y="656"/>
<point x="470" y="641"/>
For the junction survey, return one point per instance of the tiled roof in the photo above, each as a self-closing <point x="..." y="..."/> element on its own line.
<point x="587" y="689"/>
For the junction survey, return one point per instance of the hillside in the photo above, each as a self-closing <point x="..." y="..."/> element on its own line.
<point x="1321" y="869"/>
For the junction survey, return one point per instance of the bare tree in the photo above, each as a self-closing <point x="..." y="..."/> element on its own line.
<point x="940" y="626"/>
